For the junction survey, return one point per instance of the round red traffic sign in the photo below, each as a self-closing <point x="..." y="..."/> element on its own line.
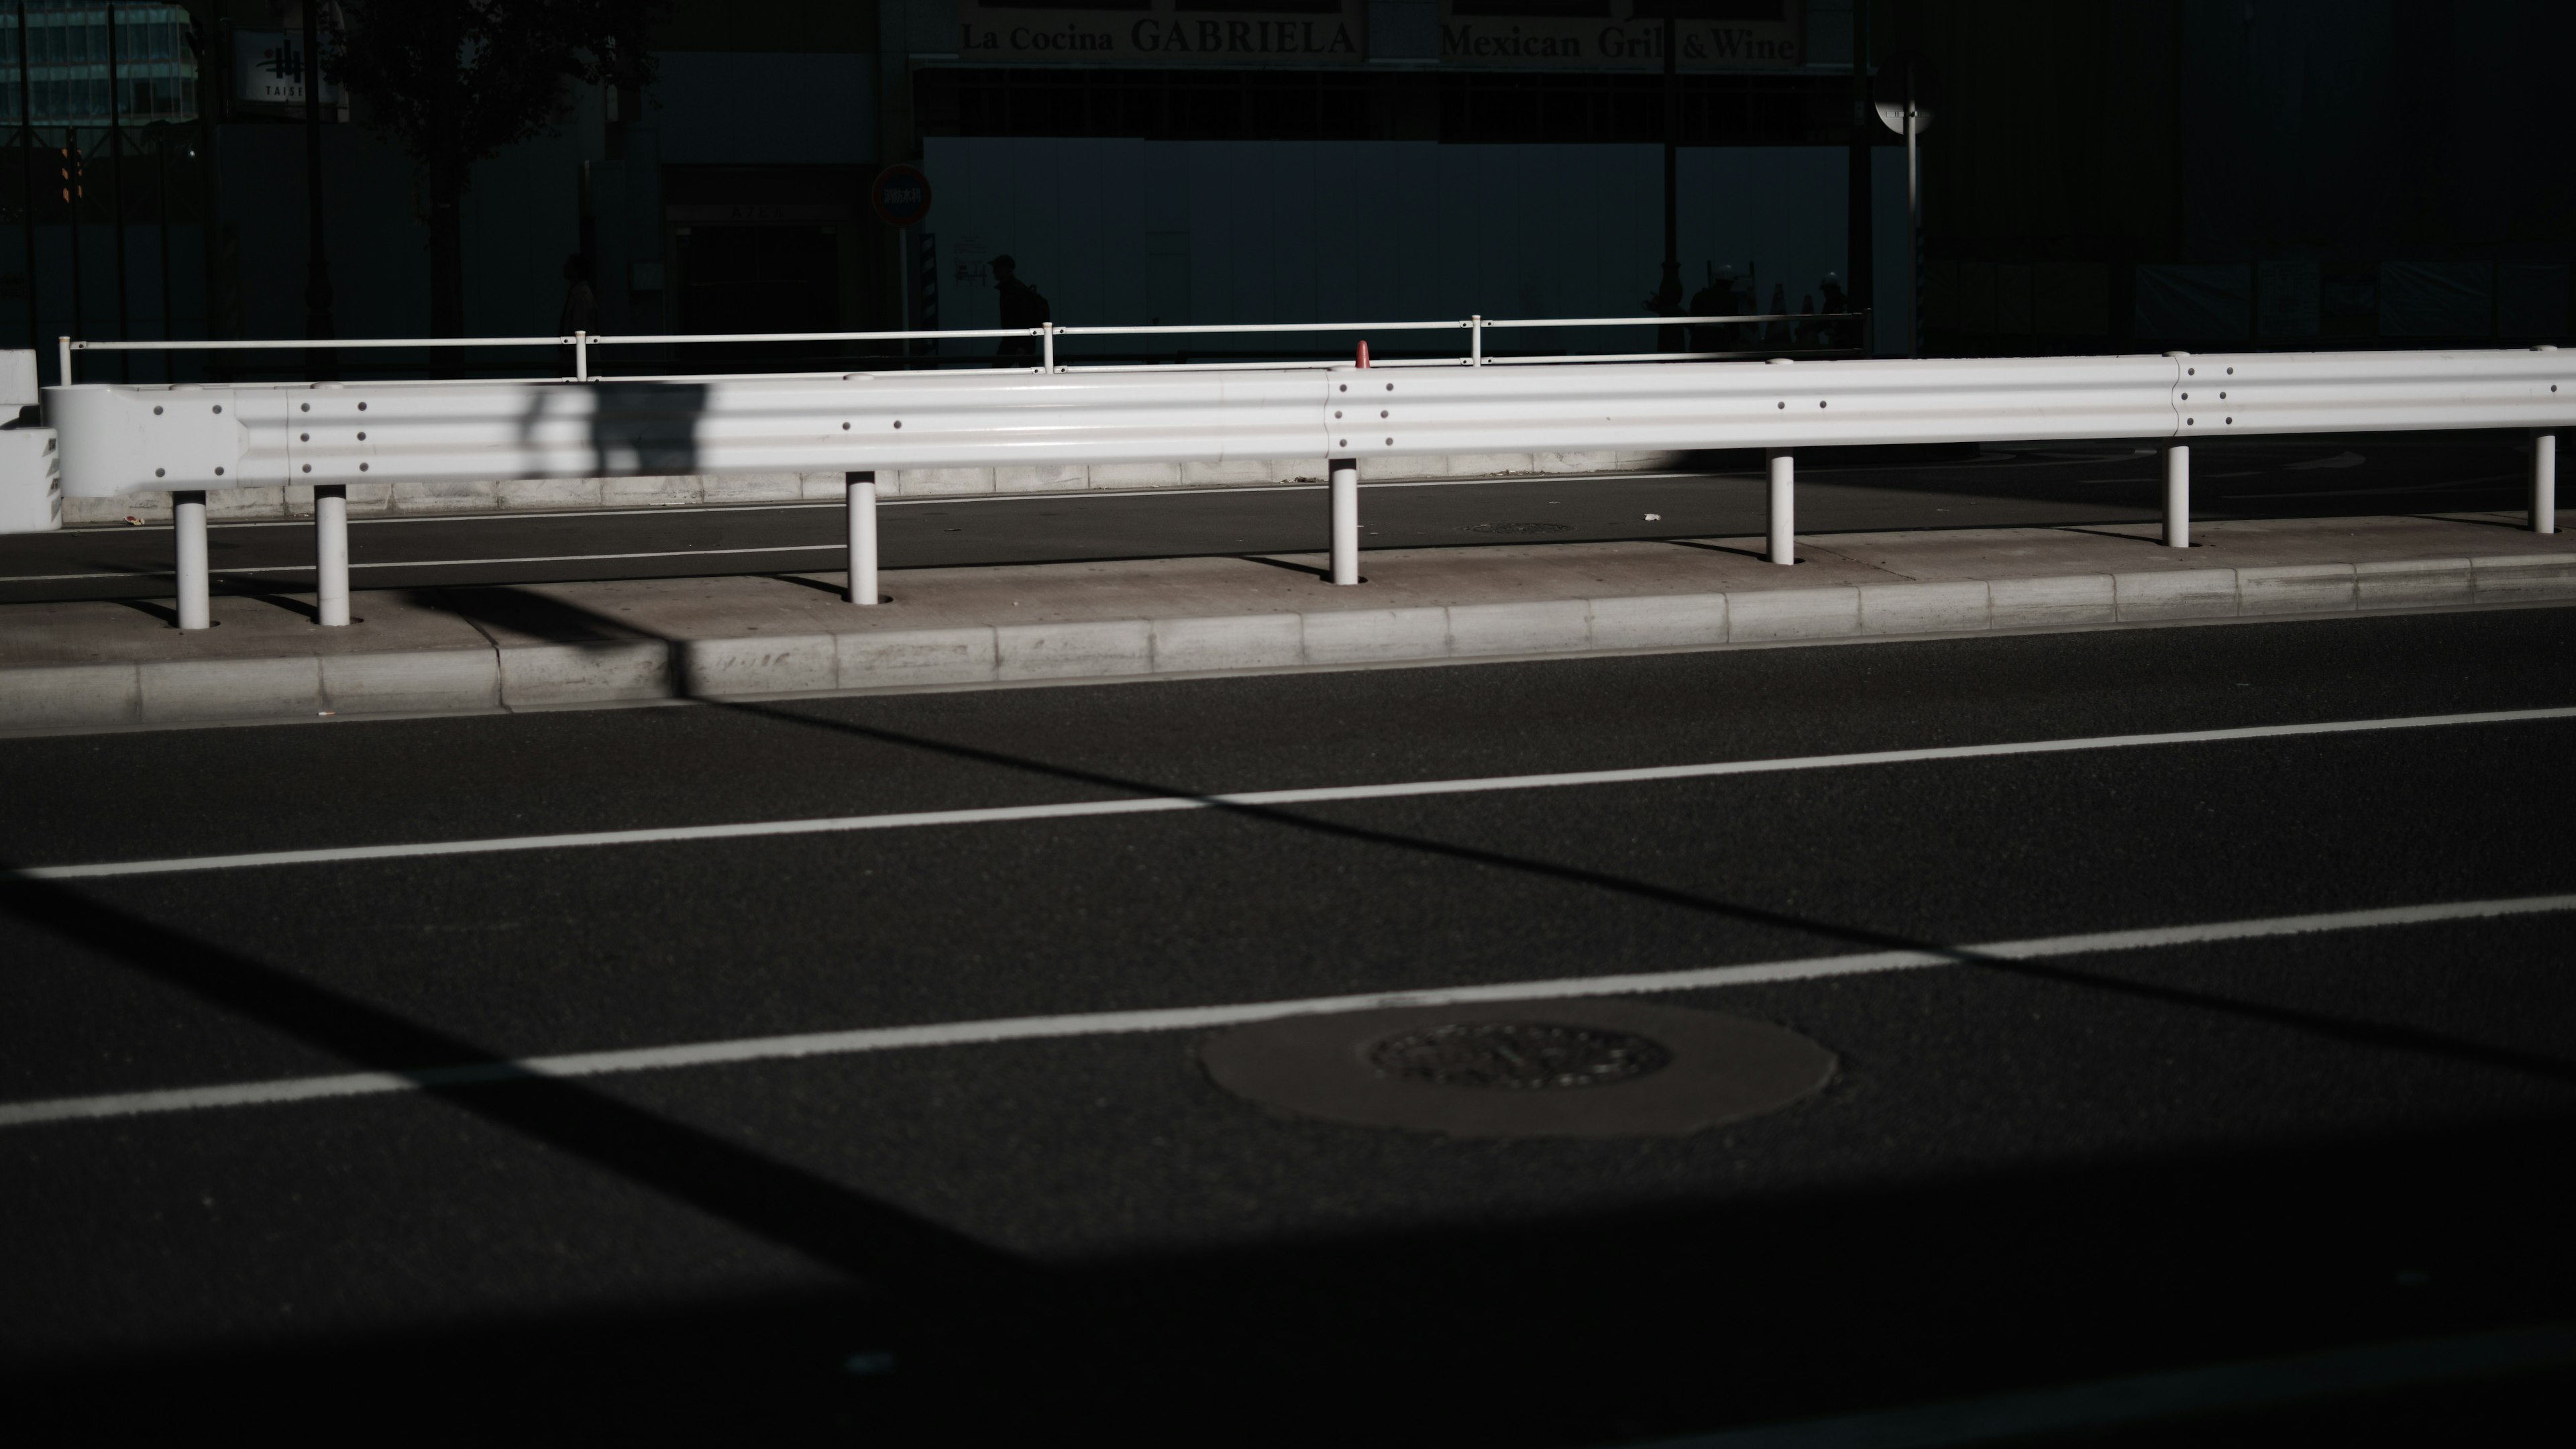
<point x="901" y="194"/>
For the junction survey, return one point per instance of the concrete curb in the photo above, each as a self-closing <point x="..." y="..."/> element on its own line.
<point x="536" y="676"/>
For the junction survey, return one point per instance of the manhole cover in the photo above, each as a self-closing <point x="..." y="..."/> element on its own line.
<point x="1582" y="1068"/>
<point x="1520" y="528"/>
<point x="1518" y="1056"/>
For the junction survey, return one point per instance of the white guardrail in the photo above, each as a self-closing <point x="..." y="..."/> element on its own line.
<point x="186" y="438"/>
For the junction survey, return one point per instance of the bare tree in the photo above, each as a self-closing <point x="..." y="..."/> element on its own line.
<point x="457" y="81"/>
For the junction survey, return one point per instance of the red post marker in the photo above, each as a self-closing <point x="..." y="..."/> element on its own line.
<point x="1363" y="352"/>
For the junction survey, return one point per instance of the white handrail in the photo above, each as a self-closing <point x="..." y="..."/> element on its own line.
<point x="581" y="343"/>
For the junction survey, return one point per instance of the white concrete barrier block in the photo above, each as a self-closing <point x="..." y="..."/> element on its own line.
<point x="53" y="696"/>
<point x="1663" y="621"/>
<point x="538" y="674"/>
<point x="1242" y="641"/>
<point x="2411" y="583"/>
<point x="1378" y="468"/>
<point x="1136" y="475"/>
<point x="411" y="680"/>
<point x="884" y="658"/>
<point x="1756" y="615"/>
<point x="754" y="664"/>
<point x="415" y="497"/>
<point x="675" y="491"/>
<point x="1603" y="461"/>
<point x="1539" y="626"/>
<point x="542" y="494"/>
<point x="750" y="487"/>
<point x="224" y="505"/>
<point x="2296" y="589"/>
<point x="1046" y="478"/>
<point x="1096" y="648"/>
<point x="1290" y="470"/>
<point x="99" y="512"/>
<point x="1924" y="608"/>
<point x="2524" y="576"/>
<point x="177" y="690"/>
<point x="2051" y="603"/>
<point x="1242" y="472"/>
<point x="817" y="486"/>
<point x="1486" y="465"/>
<point x="933" y="482"/>
<point x="2181" y="594"/>
<point x="1369" y="636"/>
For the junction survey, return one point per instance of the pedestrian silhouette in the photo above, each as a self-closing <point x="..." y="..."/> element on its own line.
<point x="1839" y="334"/>
<point x="1022" y="306"/>
<point x="1666" y="301"/>
<point x="1778" y="332"/>
<point x="1717" y="299"/>
<point x="580" y="310"/>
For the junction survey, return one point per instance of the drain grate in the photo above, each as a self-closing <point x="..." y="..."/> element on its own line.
<point x="1520" y="528"/>
<point x="1518" y="1056"/>
<point x="1574" y="1067"/>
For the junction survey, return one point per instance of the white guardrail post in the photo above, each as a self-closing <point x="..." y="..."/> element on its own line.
<point x="1784" y="504"/>
<point x="863" y="537"/>
<point x="331" y="554"/>
<point x="2177" y="459"/>
<point x="188" y="531"/>
<point x="2544" y="476"/>
<point x="1346" y="519"/>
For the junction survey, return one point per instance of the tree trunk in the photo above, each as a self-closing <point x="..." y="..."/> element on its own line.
<point x="446" y="251"/>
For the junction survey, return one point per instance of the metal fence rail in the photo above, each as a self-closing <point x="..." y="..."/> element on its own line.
<point x="579" y="345"/>
<point x="186" y="438"/>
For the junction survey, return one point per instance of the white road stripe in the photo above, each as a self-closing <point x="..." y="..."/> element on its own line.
<point x="1325" y="794"/>
<point x="1199" y="1018"/>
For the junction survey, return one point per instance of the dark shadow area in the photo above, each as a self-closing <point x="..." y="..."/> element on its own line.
<point x="1309" y="570"/>
<point x="1598" y="1327"/>
<point x="166" y="613"/>
<point x="1705" y="546"/>
<point x="645" y="427"/>
<point x="883" y="1248"/>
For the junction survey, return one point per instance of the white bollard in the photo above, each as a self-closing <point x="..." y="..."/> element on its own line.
<point x="1346" y="520"/>
<point x="2177" y="495"/>
<point x="863" y="538"/>
<point x="2544" y="482"/>
<point x="331" y="554"/>
<point x="188" y="525"/>
<point x="1784" y="506"/>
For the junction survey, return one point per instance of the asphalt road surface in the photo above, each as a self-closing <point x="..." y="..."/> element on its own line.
<point x="1840" y="491"/>
<point x="2221" y="1144"/>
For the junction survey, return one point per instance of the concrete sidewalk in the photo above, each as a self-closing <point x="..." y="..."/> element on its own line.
<point x="72" y="666"/>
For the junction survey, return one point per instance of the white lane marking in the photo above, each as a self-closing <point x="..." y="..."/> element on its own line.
<point x="1322" y="794"/>
<point x="1195" y="1018"/>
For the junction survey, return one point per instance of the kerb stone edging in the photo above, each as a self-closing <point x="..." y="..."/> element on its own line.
<point x="181" y="691"/>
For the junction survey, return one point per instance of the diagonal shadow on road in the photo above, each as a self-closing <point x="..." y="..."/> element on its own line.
<point x="885" y="1248"/>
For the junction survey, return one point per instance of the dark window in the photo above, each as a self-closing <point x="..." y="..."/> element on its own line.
<point x="1259" y="7"/>
<point x="1534" y="9"/>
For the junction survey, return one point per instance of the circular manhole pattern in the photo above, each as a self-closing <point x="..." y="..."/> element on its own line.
<point x="1583" y="1068"/>
<point x="1520" y="528"/>
<point x="1517" y="1056"/>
